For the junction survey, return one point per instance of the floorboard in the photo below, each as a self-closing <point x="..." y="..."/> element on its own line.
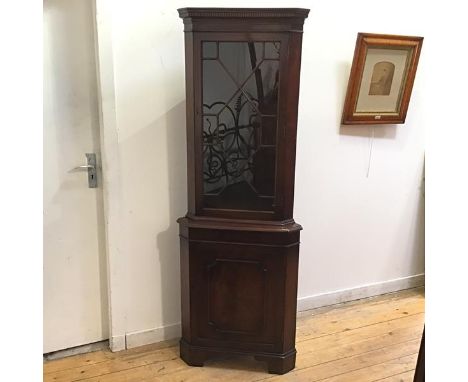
<point x="374" y="339"/>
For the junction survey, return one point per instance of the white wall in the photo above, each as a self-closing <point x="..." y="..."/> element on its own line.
<point x="358" y="230"/>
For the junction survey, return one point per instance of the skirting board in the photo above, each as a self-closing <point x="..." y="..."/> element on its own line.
<point x="145" y="337"/>
<point x="151" y="336"/>
<point x="369" y="290"/>
<point x="82" y="349"/>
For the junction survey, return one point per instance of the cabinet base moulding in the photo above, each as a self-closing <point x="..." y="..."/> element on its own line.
<point x="197" y="355"/>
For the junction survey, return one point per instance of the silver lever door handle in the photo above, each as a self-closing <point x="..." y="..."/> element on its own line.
<point x="91" y="168"/>
<point x="85" y="166"/>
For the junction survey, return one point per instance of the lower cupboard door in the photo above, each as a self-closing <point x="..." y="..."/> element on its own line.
<point x="238" y="295"/>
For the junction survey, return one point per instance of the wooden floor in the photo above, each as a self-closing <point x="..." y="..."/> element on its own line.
<point x="375" y="339"/>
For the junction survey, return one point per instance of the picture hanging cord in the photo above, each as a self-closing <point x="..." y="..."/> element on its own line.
<point x="370" y="150"/>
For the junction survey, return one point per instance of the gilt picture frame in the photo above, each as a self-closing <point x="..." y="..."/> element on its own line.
<point x="381" y="79"/>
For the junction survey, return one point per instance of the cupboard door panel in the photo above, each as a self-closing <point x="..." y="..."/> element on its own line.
<point x="236" y="295"/>
<point x="239" y="292"/>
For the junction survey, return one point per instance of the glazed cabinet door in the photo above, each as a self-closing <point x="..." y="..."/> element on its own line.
<point x="239" y="123"/>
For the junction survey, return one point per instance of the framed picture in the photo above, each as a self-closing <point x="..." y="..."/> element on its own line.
<point x="381" y="79"/>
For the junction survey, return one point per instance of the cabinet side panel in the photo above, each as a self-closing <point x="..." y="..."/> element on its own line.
<point x="290" y="301"/>
<point x="185" y="289"/>
<point x="189" y="91"/>
<point x="290" y="103"/>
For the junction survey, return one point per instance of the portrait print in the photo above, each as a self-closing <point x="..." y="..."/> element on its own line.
<point x="382" y="77"/>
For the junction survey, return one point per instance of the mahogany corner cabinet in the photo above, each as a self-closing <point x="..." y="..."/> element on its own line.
<point x="239" y="242"/>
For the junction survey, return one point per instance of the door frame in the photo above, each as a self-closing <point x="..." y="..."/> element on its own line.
<point x="110" y="172"/>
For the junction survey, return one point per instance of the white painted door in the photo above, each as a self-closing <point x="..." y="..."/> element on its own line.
<point x="75" y="286"/>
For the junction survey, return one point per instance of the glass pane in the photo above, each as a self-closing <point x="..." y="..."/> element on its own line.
<point x="210" y="50"/>
<point x="272" y="50"/>
<point x="240" y="106"/>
